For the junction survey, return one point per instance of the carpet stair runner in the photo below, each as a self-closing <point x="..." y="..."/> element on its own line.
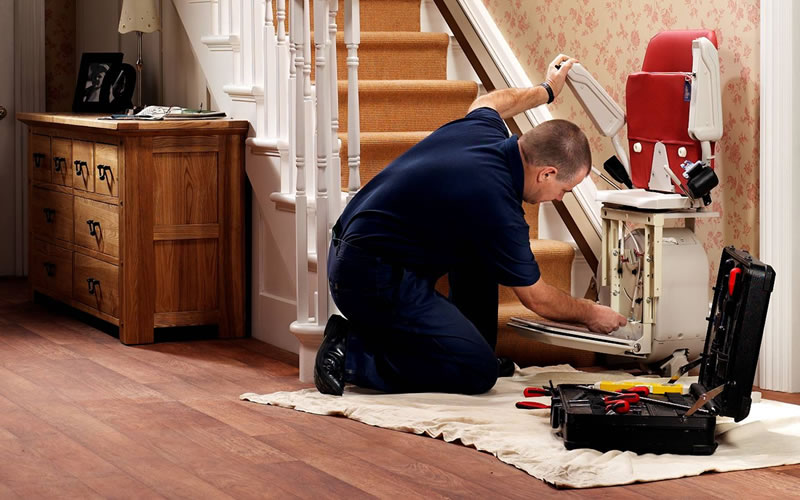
<point x="404" y="95"/>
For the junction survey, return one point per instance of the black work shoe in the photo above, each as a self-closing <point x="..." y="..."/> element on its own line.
<point x="505" y="367"/>
<point x="329" y="364"/>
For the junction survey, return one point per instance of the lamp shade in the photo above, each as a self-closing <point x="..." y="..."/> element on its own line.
<point x="139" y="15"/>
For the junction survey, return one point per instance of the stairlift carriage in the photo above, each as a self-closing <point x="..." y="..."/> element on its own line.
<point x="656" y="276"/>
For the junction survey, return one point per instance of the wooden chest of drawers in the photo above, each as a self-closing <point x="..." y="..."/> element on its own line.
<point x="141" y="224"/>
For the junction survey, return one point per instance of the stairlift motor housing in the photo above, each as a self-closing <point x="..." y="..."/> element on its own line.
<point x="681" y="310"/>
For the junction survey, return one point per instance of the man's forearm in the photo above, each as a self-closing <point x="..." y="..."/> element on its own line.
<point x="510" y="102"/>
<point x="551" y="303"/>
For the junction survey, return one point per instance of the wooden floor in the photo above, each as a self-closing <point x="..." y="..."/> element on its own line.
<point x="82" y="416"/>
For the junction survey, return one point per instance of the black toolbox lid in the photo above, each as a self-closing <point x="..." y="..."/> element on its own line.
<point x="735" y="328"/>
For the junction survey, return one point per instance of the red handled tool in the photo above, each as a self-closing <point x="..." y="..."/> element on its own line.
<point x="618" y="405"/>
<point x="631" y="397"/>
<point x="641" y="390"/>
<point x="531" y="405"/>
<point x="536" y="392"/>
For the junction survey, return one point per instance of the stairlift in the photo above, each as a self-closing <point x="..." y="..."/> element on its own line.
<point x="654" y="275"/>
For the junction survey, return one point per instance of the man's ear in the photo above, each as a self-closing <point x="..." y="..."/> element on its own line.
<point x="546" y="173"/>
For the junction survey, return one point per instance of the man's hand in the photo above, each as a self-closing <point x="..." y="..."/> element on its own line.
<point x="603" y="319"/>
<point x="557" y="76"/>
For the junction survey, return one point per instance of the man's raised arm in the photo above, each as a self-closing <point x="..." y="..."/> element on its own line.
<point x="510" y="102"/>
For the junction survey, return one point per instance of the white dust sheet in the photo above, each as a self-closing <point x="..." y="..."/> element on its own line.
<point x="770" y="436"/>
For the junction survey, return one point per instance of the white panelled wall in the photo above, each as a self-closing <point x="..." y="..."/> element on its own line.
<point x="779" y="366"/>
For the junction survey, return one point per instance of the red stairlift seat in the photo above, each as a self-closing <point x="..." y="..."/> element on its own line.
<point x="657" y="102"/>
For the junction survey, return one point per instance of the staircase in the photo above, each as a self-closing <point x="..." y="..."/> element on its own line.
<point x="256" y="58"/>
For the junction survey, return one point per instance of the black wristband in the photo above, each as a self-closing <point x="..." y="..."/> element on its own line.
<point x="550" y="95"/>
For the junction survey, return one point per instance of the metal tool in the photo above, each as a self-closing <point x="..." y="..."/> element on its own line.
<point x="703" y="399"/>
<point x="684" y="369"/>
<point x="648" y="400"/>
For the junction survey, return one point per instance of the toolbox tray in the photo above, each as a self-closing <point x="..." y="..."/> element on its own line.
<point x="730" y="355"/>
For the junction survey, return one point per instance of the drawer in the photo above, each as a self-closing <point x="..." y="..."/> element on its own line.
<point x="83" y="165"/>
<point x="62" y="161"/>
<point x="97" y="226"/>
<point x="51" y="214"/>
<point x="51" y="269"/>
<point x="107" y="173"/>
<point x="96" y="284"/>
<point x="40" y="158"/>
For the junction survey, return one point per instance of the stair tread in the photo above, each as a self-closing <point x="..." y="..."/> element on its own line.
<point x="413" y="85"/>
<point x="388" y="137"/>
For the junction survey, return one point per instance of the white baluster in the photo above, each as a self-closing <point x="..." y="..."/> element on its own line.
<point x="323" y="109"/>
<point x="285" y="91"/>
<point x="215" y="17"/>
<point x="352" y="38"/>
<point x="255" y="31"/>
<point x="230" y="16"/>
<point x="291" y="111"/>
<point x="297" y="35"/>
<point x="335" y="177"/>
<point x="308" y="97"/>
<point x="237" y="18"/>
<point x="269" y="74"/>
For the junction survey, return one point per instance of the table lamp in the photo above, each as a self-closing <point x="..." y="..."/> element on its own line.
<point x="141" y="16"/>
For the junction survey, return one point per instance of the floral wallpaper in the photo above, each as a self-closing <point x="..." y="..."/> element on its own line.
<point x="609" y="37"/>
<point x="60" y="65"/>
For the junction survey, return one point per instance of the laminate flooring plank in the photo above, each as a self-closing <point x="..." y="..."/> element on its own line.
<point x="20" y="423"/>
<point x="129" y="455"/>
<point x="115" y="357"/>
<point x="317" y="451"/>
<point x="21" y="470"/>
<point x="17" y="342"/>
<point x="78" y="461"/>
<point x="81" y="379"/>
<point x="306" y="481"/>
<point x="240" y="415"/>
<point x="56" y="328"/>
<point x="242" y="350"/>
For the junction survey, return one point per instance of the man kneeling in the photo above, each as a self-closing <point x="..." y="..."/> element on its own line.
<point x="451" y="205"/>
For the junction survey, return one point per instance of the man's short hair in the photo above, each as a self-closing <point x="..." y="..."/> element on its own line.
<point x="557" y="143"/>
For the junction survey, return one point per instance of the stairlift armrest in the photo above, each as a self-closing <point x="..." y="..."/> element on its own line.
<point x="604" y="112"/>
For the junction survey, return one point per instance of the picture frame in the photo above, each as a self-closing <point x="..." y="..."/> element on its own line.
<point x="92" y="88"/>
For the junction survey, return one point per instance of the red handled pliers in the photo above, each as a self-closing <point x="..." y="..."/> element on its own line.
<point x="617" y="405"/>
<point x="534" y="392"/>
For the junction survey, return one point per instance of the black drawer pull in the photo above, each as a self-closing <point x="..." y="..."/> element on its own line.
<point x="37" y="159"/>
<point x="50" y="268"/>
<point x="79" y="166"/>
<point x="49" y="215"/>
<point x="92" y="284"/>
<point x="104" y="171"/>
<point x="58" y="161"/>
<point x="92" y="225"/>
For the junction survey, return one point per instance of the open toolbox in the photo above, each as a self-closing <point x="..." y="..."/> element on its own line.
<point x="657" y="423"/>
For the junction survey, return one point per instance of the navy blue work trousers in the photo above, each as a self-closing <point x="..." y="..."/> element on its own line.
<point x="403" y="335"/>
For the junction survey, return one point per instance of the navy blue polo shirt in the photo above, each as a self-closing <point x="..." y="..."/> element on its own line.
<point x="452" y="200"/>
